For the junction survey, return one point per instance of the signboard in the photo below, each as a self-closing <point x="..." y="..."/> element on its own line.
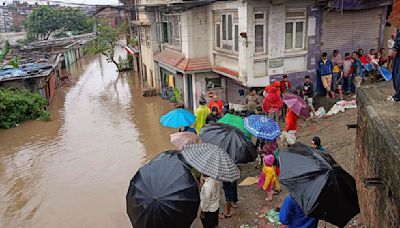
<point x="276" y="62"/>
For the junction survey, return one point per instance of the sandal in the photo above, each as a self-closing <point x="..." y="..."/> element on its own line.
<point x="224" y="216"/>
<point x="234" y="205"/>
<point x="268" y="200"/>
<point x="277" y="192"/>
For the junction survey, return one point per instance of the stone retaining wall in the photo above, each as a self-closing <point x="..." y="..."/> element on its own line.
<point x="378" y="156"/>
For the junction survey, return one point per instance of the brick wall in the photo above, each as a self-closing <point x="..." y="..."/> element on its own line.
<point x="378" y="155"/>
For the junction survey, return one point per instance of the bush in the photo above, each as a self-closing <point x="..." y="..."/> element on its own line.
<point x="20" y="105"/>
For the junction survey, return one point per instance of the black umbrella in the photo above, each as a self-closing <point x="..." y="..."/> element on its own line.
<point x="319" y="185"/>
<point x="239" y="147"/>
<point x="163" y="193"/>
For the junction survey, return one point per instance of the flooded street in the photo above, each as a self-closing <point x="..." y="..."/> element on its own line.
<point x="74" y="171"/>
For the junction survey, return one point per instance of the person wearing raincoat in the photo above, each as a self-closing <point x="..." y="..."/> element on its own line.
<point x="268" y="178"/>
<point x="273" y="103"/>
<point x="201" y="114"/>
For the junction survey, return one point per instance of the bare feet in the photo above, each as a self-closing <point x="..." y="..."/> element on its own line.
<point x="268" y="199"/>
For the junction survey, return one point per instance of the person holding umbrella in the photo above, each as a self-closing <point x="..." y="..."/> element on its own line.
<point x="321" y="188"/>
<point x="293" y="216"/>
<point x="209" y="202"/>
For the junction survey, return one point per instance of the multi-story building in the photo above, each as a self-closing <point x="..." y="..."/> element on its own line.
<point x="226" y="47"/>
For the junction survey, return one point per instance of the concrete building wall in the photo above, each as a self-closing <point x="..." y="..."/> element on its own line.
<point x="195" y="32"/>
<point x="200" y="87"/>
<point x="149" y="46"/>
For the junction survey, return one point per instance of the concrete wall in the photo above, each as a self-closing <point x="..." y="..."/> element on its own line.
<point x="378" y="155"/>
<point x="195" y="32"/>
<point x="147" y="52"/>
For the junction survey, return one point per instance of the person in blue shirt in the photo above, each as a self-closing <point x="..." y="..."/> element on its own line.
<point x="316" y="144"/>
<point x="293" y="216"/>
<point x="325" y="67"/>
<point x="188" y="129"/>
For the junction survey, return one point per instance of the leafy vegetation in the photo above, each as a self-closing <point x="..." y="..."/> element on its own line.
<point x="4" y="51"/>
<point x="106" y="40"/>
<point x="46" y="20"/>
<point x="177" y="97"/>
<point x="20" y="105"/>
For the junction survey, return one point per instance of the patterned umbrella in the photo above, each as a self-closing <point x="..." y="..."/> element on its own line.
<point x="235" y="121"/>
<point x="181" y="139"/>
<point x="177" y="118"/>
<point x="262" y="127"/>
<point x="212" y="161"/>
<point x="297" y="105"/>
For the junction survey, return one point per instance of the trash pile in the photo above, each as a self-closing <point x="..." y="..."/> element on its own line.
<point x="340" y="106"/>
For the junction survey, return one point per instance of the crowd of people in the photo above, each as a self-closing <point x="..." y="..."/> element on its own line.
<point x="268" y="151"/>
<point x="338" y="77"/>
<point x="342" y="76"/>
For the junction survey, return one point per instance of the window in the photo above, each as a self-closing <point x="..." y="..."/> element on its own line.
<point x="171" y="29"/>
<point x="148" y="41"/>
<point x="295" y="30"/>
<point x="143" y="35"/>
<point x="226" y="31"/>
<point x="260" y="30"/>
<point x="218" y="35"/>
<point x="236" y="37"/>
<point x="212" y="83"/>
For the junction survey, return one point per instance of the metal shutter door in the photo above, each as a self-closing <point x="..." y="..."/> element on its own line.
<point x="351" y="30"/>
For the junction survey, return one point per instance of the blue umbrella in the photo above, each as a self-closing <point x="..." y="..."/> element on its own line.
<point x="177" y="118"/>
<point x="262" y="127"/>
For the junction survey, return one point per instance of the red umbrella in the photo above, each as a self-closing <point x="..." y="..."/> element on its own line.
<point x="297" y="105"/>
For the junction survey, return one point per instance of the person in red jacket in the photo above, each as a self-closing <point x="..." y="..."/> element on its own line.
<point x="272" y="103"/>
<point x="216" y="102"/>
<point x="285" y="84"/>
<point x="285" y="88"/>
<point x="291" y="121"/>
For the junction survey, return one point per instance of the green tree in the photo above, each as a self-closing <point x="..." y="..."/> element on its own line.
<point x="106" y="40"/>
<point x="46" y="20"/>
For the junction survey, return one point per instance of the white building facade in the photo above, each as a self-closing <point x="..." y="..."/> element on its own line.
<point x="227" y="47"/>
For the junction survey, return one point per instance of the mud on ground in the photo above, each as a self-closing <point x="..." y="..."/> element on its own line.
<point x="336" y="138"/>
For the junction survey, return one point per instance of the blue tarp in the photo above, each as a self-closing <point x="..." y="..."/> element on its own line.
<point x="23" y="70"/>
<point x="358" y="4"/>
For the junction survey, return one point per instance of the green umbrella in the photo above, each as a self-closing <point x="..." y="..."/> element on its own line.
<point x="235" y="121"/>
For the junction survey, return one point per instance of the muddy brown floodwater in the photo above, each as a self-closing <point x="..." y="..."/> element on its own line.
<point x="74" y="171"/>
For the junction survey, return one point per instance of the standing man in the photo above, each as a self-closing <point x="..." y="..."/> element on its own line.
<point x="390" y="46"/>
<point x="252" y="101"/>
<point x="325" y="68"/>
<point x="358" y="69"/>
<point x="396" y="70"/>
<point x="209" y="202"/>
<point x="308" y="93"/>
<point x="286" y="86"/>
<point x="337" y="68"/>
<point x="361" y="56"/>
<point x="216" y="102"/>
